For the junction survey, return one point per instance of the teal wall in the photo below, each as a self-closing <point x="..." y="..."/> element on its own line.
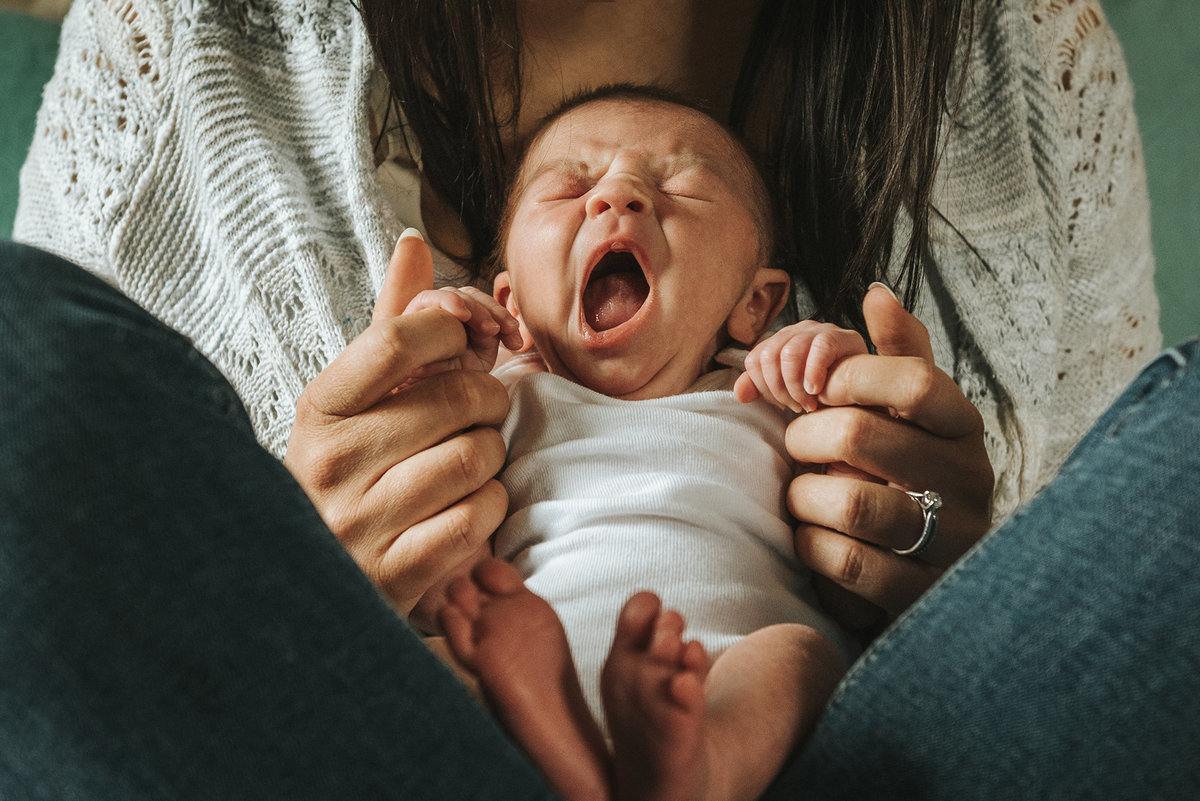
<point x="27" y="48"/>
<point x="1162" y="47"/>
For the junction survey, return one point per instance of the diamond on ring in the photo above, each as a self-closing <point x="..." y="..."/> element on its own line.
<point x="930" y="502"/>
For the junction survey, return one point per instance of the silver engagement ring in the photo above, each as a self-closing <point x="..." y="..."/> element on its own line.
<point x="930" y="502"/>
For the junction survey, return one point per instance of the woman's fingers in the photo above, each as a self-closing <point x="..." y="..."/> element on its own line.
<point x="875" y="514"/>
<point x="438" y="545"/>
<point x="350" y="455"/>
<point x="894" y="451"/>
<point x="894" y="331"/>
<point x="405" y="483"/>
<point x="899" y="419"/>
<point x="382" y="358"/>
<point x="409" y="272"/>
<point x="428" y="482"/>
<point x="875" y="574"/>
<point x="908" y="385"/>
<point x="909" y="388"/>
<point x="394" y="446"/>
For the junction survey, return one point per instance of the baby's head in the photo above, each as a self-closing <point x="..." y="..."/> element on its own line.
<point x="636" y="243"/>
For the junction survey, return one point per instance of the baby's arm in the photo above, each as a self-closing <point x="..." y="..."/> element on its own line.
<point x="488" y="324"/>
<point x="788" y="369"/>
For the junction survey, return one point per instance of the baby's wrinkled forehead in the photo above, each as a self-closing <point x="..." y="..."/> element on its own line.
<point x="666" y="136"/>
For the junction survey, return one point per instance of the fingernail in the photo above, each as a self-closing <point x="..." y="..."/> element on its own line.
<point x="886" y="287"/>
<point x="412" y="232"/>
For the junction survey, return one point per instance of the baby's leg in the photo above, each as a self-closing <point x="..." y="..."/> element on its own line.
<point x="679" y="734"/>
<point x="653" y="690"/>
<point x="764" y="696"/>
<point x="514" y="644"/>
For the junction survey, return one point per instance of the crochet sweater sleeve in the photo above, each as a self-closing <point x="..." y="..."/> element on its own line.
<point x="96" y="128"/>
<point x="1042" y="259"/>
<point x="211" y="159"/>
<point x="1109" y="309"/>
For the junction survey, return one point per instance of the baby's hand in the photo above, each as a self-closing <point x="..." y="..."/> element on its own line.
<point x="788" y="369"/>
<point x="488" y="324"/>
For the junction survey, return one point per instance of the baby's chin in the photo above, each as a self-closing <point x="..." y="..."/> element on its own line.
<point x="637" y="382"/>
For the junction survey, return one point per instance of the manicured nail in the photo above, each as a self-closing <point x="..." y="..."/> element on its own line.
<point x="412" y="232"/>
<point x="886" y="287"/>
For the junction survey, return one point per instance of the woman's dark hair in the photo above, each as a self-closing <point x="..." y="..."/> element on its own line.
<point x="849" y="94"/>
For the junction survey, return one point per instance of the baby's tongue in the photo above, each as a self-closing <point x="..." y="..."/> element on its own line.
<point x="613" y="298"/>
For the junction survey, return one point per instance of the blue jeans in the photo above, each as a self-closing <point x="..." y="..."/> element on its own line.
<point x="176" y="621"/>
<point x="1061" y="657"/>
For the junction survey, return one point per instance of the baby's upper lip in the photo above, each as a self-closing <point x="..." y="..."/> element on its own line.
<point x="617" y="245"/>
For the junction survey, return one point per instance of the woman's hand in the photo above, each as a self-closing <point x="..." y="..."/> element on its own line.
<point x="896" y="422"/>
<point x="404" y="478"/>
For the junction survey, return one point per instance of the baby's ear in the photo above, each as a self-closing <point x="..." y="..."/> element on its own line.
<point x="760" y="305"/>
<point x="502" y="292"/>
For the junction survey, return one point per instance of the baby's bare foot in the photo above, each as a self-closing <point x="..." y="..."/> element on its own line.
<point x="515" y="645"/>
<point x="653" y="689"/>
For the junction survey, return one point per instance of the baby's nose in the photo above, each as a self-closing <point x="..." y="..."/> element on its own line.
<point x="620" y="193"/>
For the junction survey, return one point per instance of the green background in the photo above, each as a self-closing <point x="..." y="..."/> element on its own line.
<point x="1162" y="45"/>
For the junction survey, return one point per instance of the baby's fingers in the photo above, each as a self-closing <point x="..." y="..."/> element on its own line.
<point x="507" y="327"/>
<point x="745" y="390"/>
<point x="793" y="355"/>
<point x="828" y="346"/>
<point x="762" y="371"/>
<point x="448" y="300"/>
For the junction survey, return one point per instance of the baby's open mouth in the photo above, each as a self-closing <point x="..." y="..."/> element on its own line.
<point x="615" y="290"/>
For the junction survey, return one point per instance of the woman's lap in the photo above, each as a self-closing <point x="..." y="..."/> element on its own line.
<point x="1059" y="658"/>
<point x="176" y="620"/>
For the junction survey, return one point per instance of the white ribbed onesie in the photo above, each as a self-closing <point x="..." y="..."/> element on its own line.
<point x="682" y="495"/>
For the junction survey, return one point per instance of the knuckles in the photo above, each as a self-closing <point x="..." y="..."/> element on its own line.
<point x="391" y="344"/>
<point x="850" y="566"/>
<point x="858" y="513"/>
<point x="921" y="383"/>
<point x="474" y="397"/>
<point x="475" y="457"/>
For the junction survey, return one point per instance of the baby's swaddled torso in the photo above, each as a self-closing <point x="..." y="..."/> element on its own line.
<point x="683" y="496"/>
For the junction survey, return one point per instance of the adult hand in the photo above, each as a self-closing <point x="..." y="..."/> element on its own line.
<point x="403" y="472"/>
<point x="892" y="422"/>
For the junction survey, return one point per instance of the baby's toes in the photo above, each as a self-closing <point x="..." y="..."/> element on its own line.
<point x="460" y="634"/>
<point x="686" y="687"/>
<point x="497" y="577"/>
<point x="636" y="623"/>
<point x="666" y="642"/>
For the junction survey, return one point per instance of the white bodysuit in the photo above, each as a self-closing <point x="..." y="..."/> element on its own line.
<point x="682" y="495"/>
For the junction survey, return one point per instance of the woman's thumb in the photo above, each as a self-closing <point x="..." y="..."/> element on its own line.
<point x="409" y="273"/>
<point x="893" y="330"/>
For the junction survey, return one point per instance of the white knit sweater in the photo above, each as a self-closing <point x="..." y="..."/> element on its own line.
<point x="212" y="159"/>
<point x="682" y="495"/>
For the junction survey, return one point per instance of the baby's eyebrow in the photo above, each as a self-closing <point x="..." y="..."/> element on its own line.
<point x="567" y="166"/>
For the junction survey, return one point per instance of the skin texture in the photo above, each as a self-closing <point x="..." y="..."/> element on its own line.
<point x="900" y="423"/>
<point x="403" y="477"/>
<point x="661" y="182"/>
<point x="681" y="728"/>
<point x="667" y="185"/>
<point x="446" y="496"/>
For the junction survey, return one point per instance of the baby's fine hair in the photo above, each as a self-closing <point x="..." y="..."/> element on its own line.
<point x="760" y="200"/>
